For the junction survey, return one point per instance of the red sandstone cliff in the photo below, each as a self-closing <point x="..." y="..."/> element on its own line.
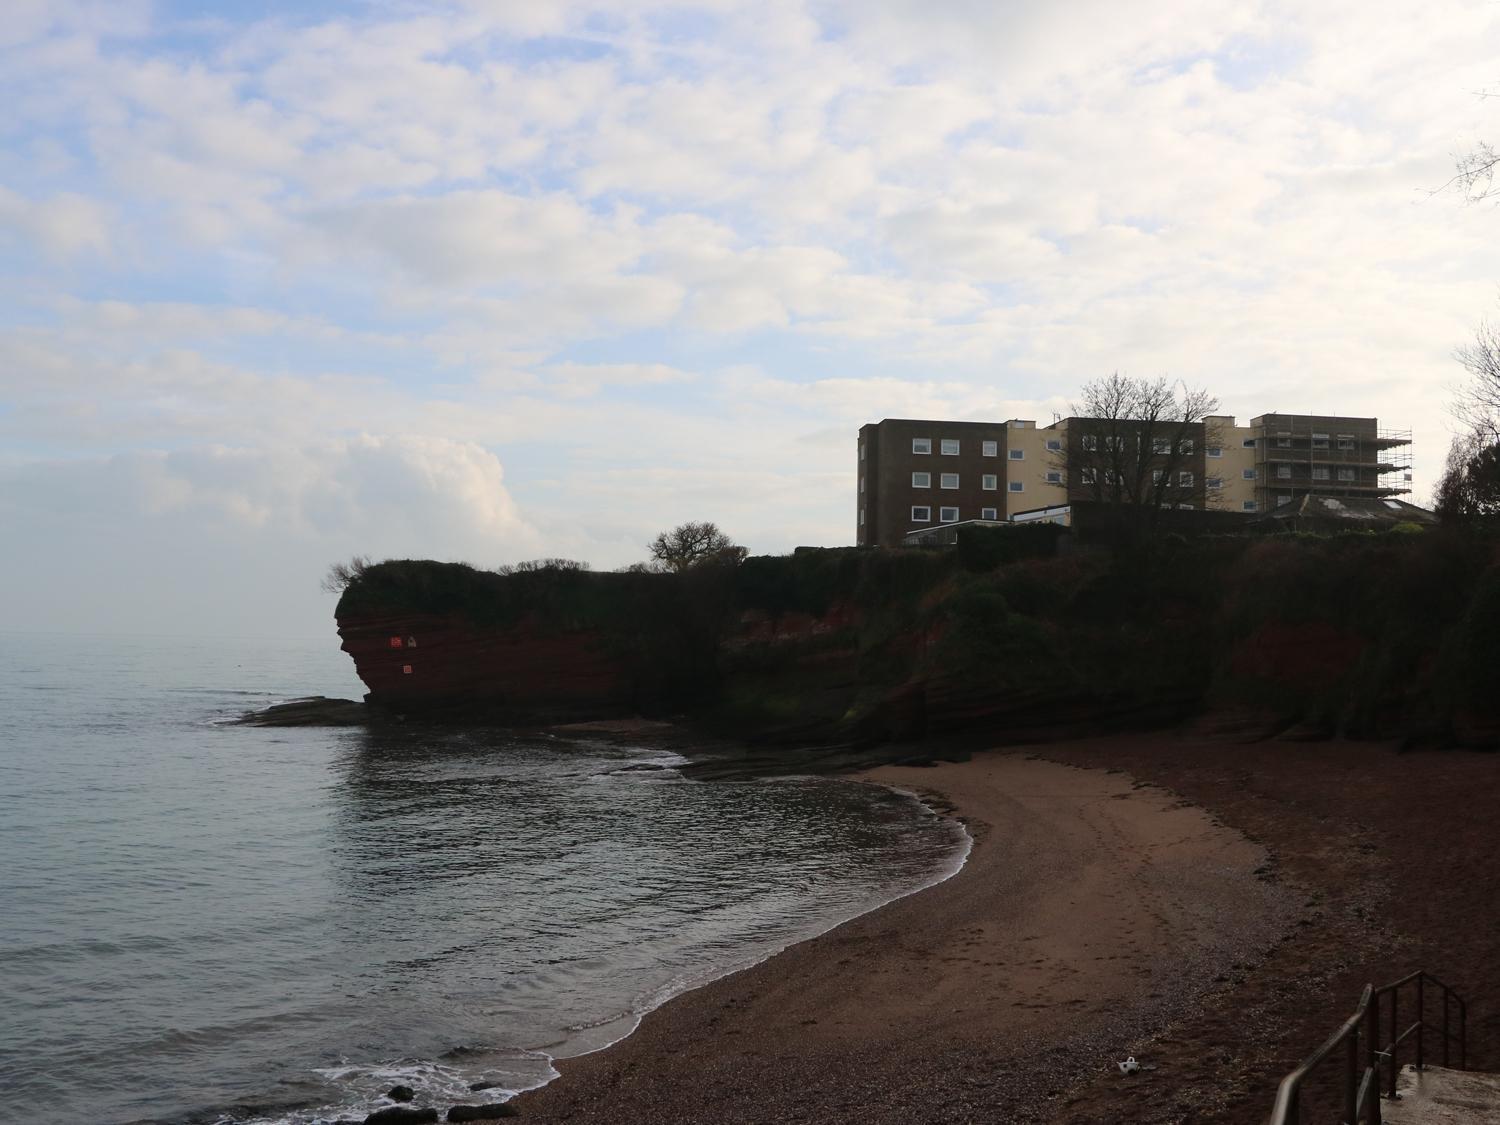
<point x="413" y="661"/>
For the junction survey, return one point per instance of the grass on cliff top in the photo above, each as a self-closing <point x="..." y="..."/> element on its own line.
<point x="557" y="596"/>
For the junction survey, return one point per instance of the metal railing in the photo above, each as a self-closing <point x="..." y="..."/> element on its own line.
<point x="1371" y="1063"/>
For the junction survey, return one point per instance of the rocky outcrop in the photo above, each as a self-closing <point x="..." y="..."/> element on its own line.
<point x="402" y="1115"/>
<point x="422" y="663"/>
<point x="314" y="711"/>
<point x="489" y="1112"/>
<point x="1377" y="637"/>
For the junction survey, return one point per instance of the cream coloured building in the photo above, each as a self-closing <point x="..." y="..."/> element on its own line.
<point x="916" y="474"/>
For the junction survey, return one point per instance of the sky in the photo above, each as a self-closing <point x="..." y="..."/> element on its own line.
<point x="286" y="282"/>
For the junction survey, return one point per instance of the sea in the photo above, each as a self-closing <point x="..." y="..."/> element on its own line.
<point x="207" y="922"/>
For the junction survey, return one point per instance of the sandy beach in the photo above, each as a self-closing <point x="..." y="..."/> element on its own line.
<point x="1093" y="910"/>
<point x="1107" y="909"/>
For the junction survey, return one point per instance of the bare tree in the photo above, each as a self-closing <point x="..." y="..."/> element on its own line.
<point x="341" y="575"/>
<point x="1478" y="403"/>
<point x="689" y="544"/>
<point x="1136" y="442"/>
<point x="531" y="566"/>
<point x="1475" y="177"/>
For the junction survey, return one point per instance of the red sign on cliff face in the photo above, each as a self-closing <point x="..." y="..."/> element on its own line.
<point x="395" y="642"/>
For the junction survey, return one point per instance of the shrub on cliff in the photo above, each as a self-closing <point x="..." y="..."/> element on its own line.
<point x="807" y="581"/>
<point x="982" y="549"/>
<point x="693" y="544"/>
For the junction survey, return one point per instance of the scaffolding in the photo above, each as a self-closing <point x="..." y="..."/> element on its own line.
<point x="1327" y="455"/>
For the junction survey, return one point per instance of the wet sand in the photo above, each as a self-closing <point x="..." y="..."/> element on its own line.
<point x="1093" y="912"/>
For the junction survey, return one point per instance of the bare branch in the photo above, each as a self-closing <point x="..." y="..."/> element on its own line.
<point x="1135" y="442"/>
<point x="689" y="544"/>
<point x="1478" y="404"/>
<point x="1475" y="178"/>
<point x="342" y="575"/>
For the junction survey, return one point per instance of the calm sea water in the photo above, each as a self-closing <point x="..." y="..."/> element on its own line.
<point x="204" y="922"/>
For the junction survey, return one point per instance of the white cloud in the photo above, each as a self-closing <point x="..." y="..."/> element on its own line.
<point x="658" y="258"/>
<point x="63" y="225"/>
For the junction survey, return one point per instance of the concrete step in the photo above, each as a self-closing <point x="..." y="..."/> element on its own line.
<point x="1438" y="1096"/>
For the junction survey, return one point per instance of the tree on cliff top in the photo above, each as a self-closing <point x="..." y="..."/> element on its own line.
<point x="1470" y="487"/>
<point x="340" y="575"/>
<point x="689" y="544"/>
<point x="1137" y="443"/>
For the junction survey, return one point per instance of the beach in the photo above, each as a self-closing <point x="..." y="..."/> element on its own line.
<point x="1091" y="910"/>
<point x="1210" y="908"/>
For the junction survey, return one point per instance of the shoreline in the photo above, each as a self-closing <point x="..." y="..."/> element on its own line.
<point x="951" y="869"/>
<point x="1023" y="969"/>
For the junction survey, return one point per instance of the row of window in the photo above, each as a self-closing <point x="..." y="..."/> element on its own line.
<point x="1090" y="475"/>
<point x="1319" y="472"/>
<point x="1094" y="442"/>
<point x="988" y="481"/>
<point x="949" y="447"/>
<point x="922" y="513"/>
<point x="1319" y="441"/>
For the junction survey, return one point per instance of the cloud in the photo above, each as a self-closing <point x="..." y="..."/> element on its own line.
<point x="487" y="238"/>
<point x="63" y="225"/>
<point x="284" y="282"/>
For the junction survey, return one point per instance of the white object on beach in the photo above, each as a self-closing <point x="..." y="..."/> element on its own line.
<point x="1129" y="1066"/>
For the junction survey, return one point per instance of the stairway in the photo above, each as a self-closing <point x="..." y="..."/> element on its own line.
<point x="1439" y="1096"/>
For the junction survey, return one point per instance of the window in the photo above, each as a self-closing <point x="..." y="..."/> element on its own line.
<point x="1054" y="445"/>
<point x="1161" y="445"/>
<point x="1016" y="486"/>
<point x="1091" y="442"/>
<point x="1186" y="507"/>
<point x="1185" y="447"/>
<point x="861" y="451"/>
<point x="1320" y="472"/>
<point x="1247" y="505"/>
<point x="1346" y="441"/>
<point x="1214" y="450"/>
<point x="1213" y="482"/>
<point x="1156" y="475"/>
<point x="1320" y="441"/>
<point x="950" y="447"/>
<point x="990" y="448"/>
<point x="989" y="482"/>
<point x="1247" y="474"/>
<point x="1090" y="476"/>
<point x="948" y="515"/>
<point x="1017" y="454"/>
<point x="921" y="514"/>
<point x="1283" y="441"/>
<point x="1185" y="480"/>
<point x="861" y="517"/>
<point x="948" y="480"/>
<point x="1283" y="472"/>
<point x="1248" y="443"/>
<point x="1116" y="443"/>
<point x="987" y="514"/>
<point x="1348" y="474"/>
<point x="921" y="445"/>
<point x="861" y="484"/>
<point x="1283" y="498"/>
<point x="1054" y="476"/>
<point x="921" y="480"/>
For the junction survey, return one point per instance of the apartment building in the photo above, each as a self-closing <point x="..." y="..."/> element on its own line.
<point x="915" y="474"/>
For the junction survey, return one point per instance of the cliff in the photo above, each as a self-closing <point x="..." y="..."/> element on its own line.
<point x="1384" y="635"/>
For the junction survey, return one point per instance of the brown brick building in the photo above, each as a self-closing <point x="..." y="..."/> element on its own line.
<point x="915" y="474"/>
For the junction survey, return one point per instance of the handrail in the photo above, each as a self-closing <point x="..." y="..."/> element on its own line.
<point x="1364" y="1061"/>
